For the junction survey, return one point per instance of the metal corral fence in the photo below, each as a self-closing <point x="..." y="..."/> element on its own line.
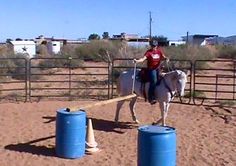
<point x="119" y="65"/>
<point x="40" y="78"/>
<point x="214" y="81"/>
<point x="13" y="79"/>
<point x="70" y="78"/>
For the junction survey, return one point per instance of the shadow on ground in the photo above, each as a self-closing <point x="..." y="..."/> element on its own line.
<point x="29" y="147"/>
<point x="111" y="126"/>
<point x="102" y="124"/>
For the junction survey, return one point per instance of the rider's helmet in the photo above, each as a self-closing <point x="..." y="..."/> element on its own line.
<point x="153" y="43"/>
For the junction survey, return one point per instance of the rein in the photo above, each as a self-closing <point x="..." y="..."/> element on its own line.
<point x="166" y="85"/>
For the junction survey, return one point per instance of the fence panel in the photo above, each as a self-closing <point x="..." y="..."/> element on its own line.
<point x="214" y="81"/>
<point x="68" y="78"/>
<point x="208" y="80"/>
<point x="13" y="79"/>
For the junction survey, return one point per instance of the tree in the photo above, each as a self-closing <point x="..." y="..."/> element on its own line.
<point x="94" y="36"/>
<point x="105" y="35"/>
<point x="18" y="39"/>
<point x="8" y="40"/>
<point x="162" y="40"/>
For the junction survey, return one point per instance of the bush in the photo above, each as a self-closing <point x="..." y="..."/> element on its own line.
<point x="104" y="50"/>
<point x="192" y="53"/>
<point x="14" y="67"/>
<point x="226" y="52"/>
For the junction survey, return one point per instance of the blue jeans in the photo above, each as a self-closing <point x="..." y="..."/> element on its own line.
<point x="153" y="75"/>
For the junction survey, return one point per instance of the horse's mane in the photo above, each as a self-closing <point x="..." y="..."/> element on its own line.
<point x="178" y="74"/>
<point x="170" y="73"/>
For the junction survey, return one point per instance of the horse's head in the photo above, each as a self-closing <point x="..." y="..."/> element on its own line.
<point x="181" y="78"/>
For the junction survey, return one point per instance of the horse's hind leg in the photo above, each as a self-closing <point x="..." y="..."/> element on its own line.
<point x="118" y="107"/>
<point x="132" y="109"/>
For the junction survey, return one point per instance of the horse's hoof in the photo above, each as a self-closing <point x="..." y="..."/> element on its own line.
<point x="154" y="123"/>
<point x="116" y="121"/>
<point x="137" y="121"/>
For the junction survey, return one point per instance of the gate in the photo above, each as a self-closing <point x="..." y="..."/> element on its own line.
<point x="214" y="81"/>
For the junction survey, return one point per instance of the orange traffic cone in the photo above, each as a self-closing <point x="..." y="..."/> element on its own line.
<point x="91" y="144"/>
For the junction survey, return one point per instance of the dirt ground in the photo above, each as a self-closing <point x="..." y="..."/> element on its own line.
<point x="205" y="135"/>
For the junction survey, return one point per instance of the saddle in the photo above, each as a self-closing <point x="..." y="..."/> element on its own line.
<point x="144" y="78"/>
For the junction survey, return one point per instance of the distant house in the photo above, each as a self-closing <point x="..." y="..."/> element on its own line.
<point x="24" y="47"/>
<point x="196" y="39"/>
<point x="138" y="44"/>
<point x="230" y="40"/>
<point x="176" y="42"/>
<point x="77" y="42"/>
<point x="124" y="36"/>
<point x="132" y="40"/>
<point x="54" y="47"/>
<point x="128" y="37"/>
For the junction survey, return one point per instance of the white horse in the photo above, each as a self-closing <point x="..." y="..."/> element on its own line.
<point x="173" y="82"/>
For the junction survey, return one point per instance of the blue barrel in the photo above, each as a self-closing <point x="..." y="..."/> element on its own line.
<point x="70" y="133"/>
<point x="156" y="146"/>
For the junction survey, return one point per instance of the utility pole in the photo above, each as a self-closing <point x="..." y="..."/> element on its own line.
<point x="150" y="25"/>
<point x="187" y="38"/>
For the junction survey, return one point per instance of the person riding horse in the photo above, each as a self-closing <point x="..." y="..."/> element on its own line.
<point x="154" y="56"/>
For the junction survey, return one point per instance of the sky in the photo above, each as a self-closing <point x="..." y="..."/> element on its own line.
<point x="73" y="19"/>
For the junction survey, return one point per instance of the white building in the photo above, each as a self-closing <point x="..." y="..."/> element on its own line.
<point x="176" y="42"/>
<point x="138" y="44"/>
<point x="54" y="47"/>
<point x="230" y="40"/>
<point x="24" y="47"/>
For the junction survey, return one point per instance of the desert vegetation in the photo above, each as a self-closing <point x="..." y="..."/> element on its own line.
<point x="106" y="50"/>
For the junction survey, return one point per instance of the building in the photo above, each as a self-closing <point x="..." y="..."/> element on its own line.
<point x="129" y="37"/>
<point x="80" y="41"/>
<point x="138" y="44"/>
<point x="132" y="40"/>
<point x="196" y="39"/>
<point x="24" y="47"/>
<point x="176" y="42"/>
<point x="230" y="40"/>
<point x="54" y="47"/>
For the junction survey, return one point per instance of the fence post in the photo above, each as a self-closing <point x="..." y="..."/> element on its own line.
<point x="216" y="90"/>
<point x="234" y="77"/>
<point x="69" y="59"/>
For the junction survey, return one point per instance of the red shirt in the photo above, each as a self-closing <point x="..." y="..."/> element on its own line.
<point x="154" y="58"/>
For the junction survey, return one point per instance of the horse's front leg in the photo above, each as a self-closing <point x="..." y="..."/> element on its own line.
<point x="132" y="109"/>
<point x="164" y="111"/>
<point x="118" y="107"/>
<point x="162" y="108"/>
<point x="167" y="105"/>
<point x="160" y="120"/>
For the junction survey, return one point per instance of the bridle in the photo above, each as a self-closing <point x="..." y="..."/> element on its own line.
<point x="169" y="89"/>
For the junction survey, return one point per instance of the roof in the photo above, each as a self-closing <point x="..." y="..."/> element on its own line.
<point x="23" y="42"/>
<point x="199" y="36"/>
<point x="203" y="36"/>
